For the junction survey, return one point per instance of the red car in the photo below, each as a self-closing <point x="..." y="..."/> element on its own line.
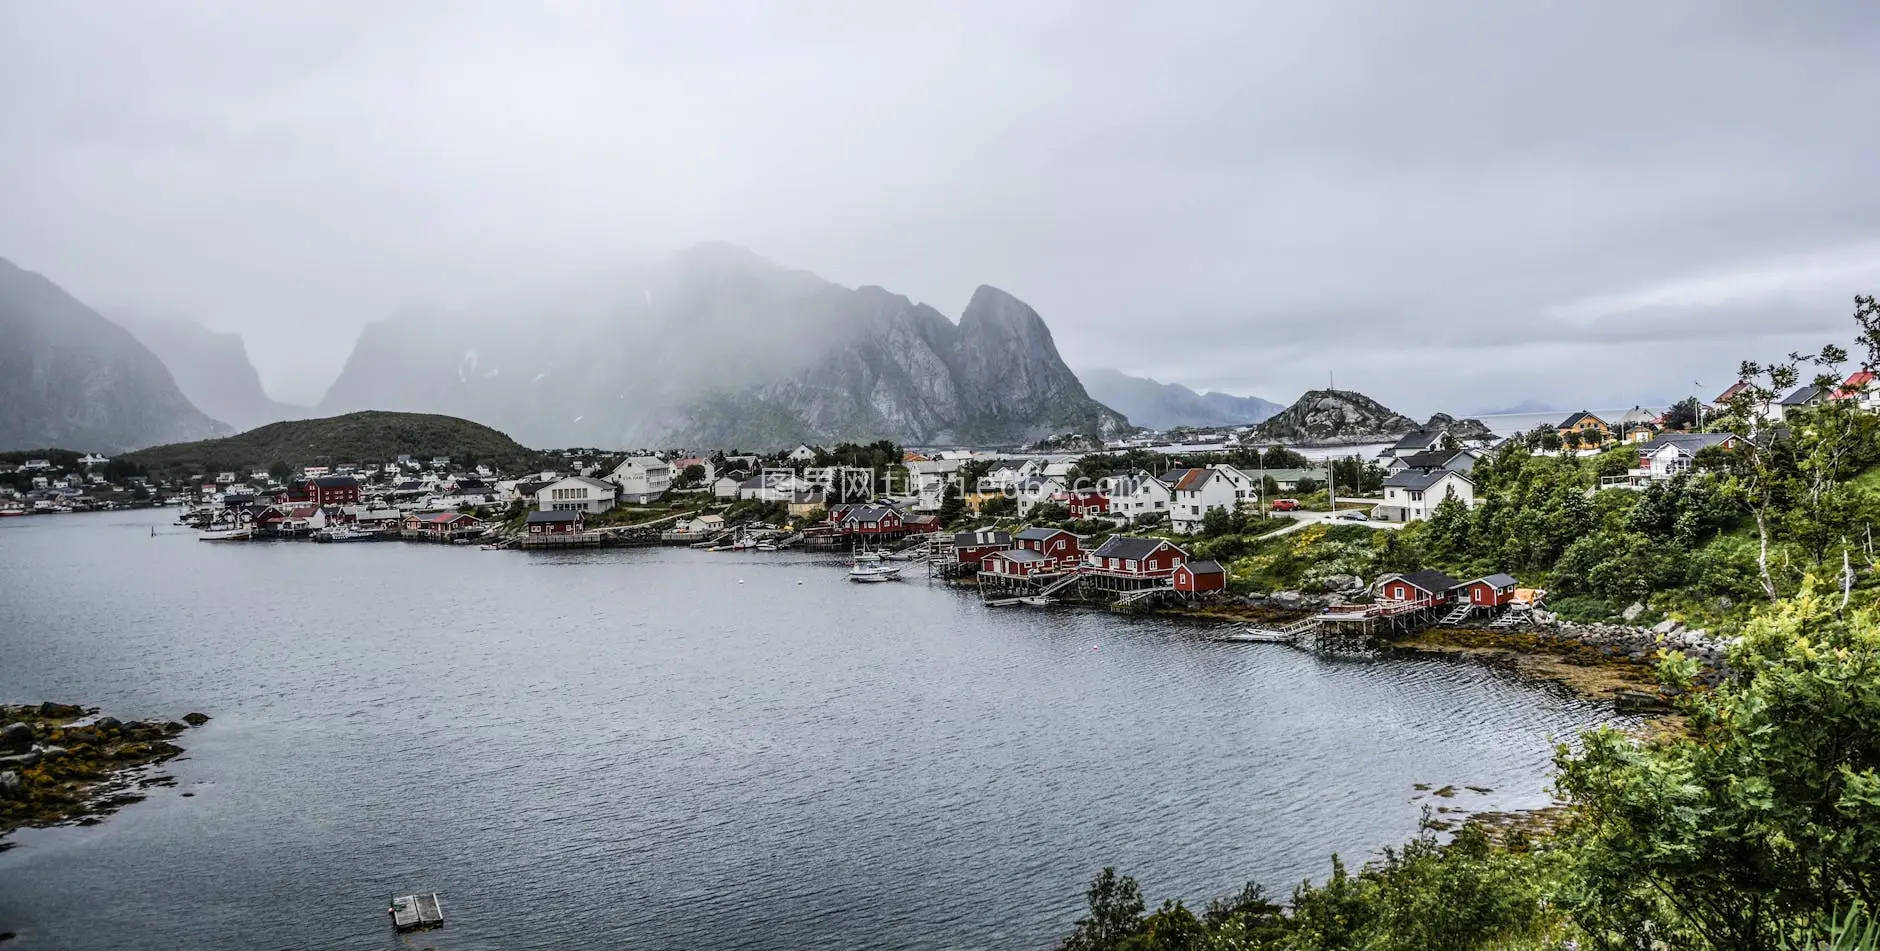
<point x="1285" y="505"/>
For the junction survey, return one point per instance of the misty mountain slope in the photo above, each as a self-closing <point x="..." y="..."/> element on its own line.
<point x="1167" y="405"/>
<point x="212" y="369"/>
<point x="716" y="346"/>
<point x="71" y="379"/>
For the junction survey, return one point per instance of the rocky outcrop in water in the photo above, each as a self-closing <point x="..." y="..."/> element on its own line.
<point x="62" y="766"/>
<point x="1335" y="416"/>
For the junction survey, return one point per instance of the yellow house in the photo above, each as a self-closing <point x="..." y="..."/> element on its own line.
<point x="1589" y="427"/>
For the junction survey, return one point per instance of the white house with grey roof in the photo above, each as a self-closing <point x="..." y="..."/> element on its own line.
<point x="642" y="478"/>
<point x="1412" y="494"/>
<point x="1669" y="454"/>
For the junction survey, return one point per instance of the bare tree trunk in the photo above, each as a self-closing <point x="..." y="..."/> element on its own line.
<point x="1762" y="554"/>
<point x="1847" y="577"/>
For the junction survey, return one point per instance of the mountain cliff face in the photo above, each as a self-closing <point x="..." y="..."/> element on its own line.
<point x="71" y="379"/>
<point x="212" y="369"/>
<point x="719" y="347"/>
<point x="1168" y="405"/>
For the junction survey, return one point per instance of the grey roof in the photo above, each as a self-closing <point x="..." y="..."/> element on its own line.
<point x="981" y="537"/>
<point x="1498" y="580"/>
<point x="1018" y="554"/>
<point x="1433" y="458"/>
<point x="1803" y="396"/>
<point x="1689" y="442"/>
<point x="1429" y="580"/>
<point x="1419" y="437"/>
<point x="336" y="482"/>
<point x="1577" y="417"/>
<point x="592" y="483"/>
<point x="1125" y="546"/>
<point x="1038" y="533"/>
<point x="538" y="518"/>
<point x="1206" y="567"/>
<point x="1419" y="479"/>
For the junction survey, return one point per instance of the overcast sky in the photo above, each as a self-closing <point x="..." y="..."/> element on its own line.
<point x="1453" y="205"/>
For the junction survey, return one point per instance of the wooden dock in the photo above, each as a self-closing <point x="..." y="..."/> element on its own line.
<point x="413" y="912"/>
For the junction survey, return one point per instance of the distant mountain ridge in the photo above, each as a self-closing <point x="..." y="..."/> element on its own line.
<point x="71" y="379"/>
<point x="1167" y="405"/>
<point x="360" y="438"/>
<point x="718" y="347"/>
<point x="211" y="368"/>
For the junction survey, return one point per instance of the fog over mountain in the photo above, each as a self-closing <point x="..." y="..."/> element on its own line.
<point x="1455" y="203"/>
<point x="211" y="368"/>
<point x="1167" y="405"/>
<point x="716" y="346"/>
<point x="70" y="379"/>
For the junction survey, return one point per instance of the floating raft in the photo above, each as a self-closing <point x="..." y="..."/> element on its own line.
<point x="417" y="911"/>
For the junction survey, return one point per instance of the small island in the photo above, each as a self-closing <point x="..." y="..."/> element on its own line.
<point x="63" y="764"/>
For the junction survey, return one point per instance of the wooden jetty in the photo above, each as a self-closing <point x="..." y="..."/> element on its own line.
<point x="413" y="912"/>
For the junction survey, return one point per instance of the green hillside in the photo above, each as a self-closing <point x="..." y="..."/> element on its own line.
<point x="367" y="437"/>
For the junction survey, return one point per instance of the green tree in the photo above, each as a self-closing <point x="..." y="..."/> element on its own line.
<point x="952" y="505"/>
<point x="1764" y="824"/>
<point x="279" y="471"/>
<point x="1114" y="917"/>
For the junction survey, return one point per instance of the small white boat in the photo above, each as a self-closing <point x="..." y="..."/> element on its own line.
<point x="341" y="533"/>
<point x="1258" y="635"/>
<point x="867" y="556"/>
<point x="227" y="535"/>
<point x="766" y="546"/>
<point x="875" y="573"/>
<point x="1037" y="601"/>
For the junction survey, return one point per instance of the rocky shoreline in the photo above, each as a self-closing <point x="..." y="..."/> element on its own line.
<point x="63" y="764"/>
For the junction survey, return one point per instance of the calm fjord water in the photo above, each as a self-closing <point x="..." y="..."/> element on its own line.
<point x="672" y="749"/>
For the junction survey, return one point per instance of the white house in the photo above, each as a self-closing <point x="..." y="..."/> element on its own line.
<point x="642" y="478"/>
<point x="773" y="485"/>
<point x="576" y="494"/>
<point x="1411" y="495"/>
<point x="1671" y="453"/>
<point x="1031" y="493"/>
<point x="1416" y="440"/>
<point x="1455" y="460"/>
<point x="92" y="459"/>
<point x="1138" y="493"/>
<point x="928" y="478"/>
<point x="726" y="487"/>
<point x="802" y="454"/>
<point x="1200" y="491"/>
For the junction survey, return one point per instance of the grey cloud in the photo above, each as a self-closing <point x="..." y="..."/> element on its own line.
<point x="1426" y="194"/>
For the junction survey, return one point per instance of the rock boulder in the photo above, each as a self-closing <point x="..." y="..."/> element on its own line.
<point x="16" y="738"/>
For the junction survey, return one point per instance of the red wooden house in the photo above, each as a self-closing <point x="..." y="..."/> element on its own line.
<point x="333" y="490"/>
<point x="1493" y="591"/>
<point x="971" y="548"/>
<point x="1087" y="504"/>
<point x="447" y="525"/>
<point x="1135" y="558"/>
<point x="1432" y="587"/>
<point x="874" y="521"/>
<point x="1199" y="577"/>
<point x="1056" y="545"/>
<point x="556" y="523"/>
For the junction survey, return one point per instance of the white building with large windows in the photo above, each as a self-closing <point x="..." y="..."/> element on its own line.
<point x="1411" y="495"/>
<point x="576" y="494"/>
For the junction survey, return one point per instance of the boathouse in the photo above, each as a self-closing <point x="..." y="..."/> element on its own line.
<point x="971" y="548"/>
<point x="1199" y="577"/>
<point x="1427" y="587"/>
<point x="1491" y="591"/>
<point x="442" y="526"/>
<point x="1015" y="563"/>
<point x="1087" y="504"/>
<point x="1124" y="563"/>
<point x="1056" y="545"/>
<point x="873" y="520"/>
<point x="565" y="522"/>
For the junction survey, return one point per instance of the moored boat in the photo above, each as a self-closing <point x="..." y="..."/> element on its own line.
<point x="227" y="535"/>
<point x="861" y="572"/>
<point x="1258" y="635"/>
